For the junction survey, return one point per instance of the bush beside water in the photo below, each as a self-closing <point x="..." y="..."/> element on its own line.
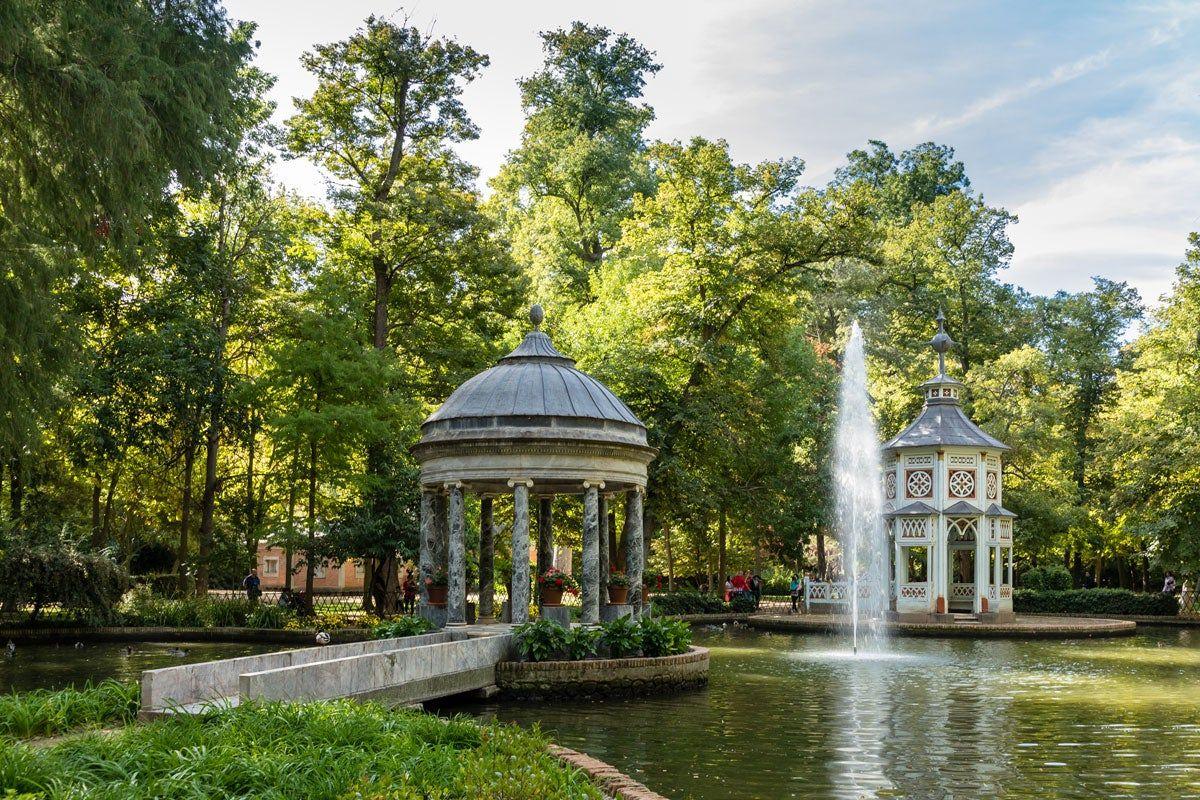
<point x="689" y="601"/>
<point x="1095" y="601"/>
<point x="322" y="751"/>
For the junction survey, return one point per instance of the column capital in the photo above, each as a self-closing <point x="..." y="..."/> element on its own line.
<point x="523" y="481"/>
<point x="593" y="484"/>
<point x="448" y="485"/>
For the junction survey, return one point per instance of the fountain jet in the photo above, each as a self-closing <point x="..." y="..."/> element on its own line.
<point x="859" y="501"/>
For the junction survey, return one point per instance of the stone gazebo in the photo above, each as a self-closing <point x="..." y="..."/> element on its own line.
<point x="530" y="425"/>
<point x="943" y="493"/>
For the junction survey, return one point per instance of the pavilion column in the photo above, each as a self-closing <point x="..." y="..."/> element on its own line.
<point x="487" y="561"/>
<point x="441" y="531"/>
<point x="633" y="548"/>
<point x="591" y="554"/>
<point x="997" y="568"/>
<point x="981" y="565"/>
<point x="518" y="601"/>
<point x="605" y="565"/>
<point x="456" y="595"/>
<point x="1010" y="565"/>
<point x="545" y="549"/>
<point x="427" y="546"/>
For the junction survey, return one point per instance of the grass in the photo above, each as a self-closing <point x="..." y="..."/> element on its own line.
<point x="334" y="750"/>
<point x="47" y="712"/>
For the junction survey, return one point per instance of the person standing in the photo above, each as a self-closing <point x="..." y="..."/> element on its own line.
<point x="252" y="584"/>
<point x="409" y="587"/>
<point x="1169" y="584"/>
<point x="728" y="588"/>
<point x="795" y="590"/>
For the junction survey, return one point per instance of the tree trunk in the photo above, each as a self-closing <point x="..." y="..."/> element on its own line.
<point x="97" y="541"/>
<point x="291" y="529"/>
<point x="821" y="553"/>
<point x="106" y="514"/>
<point x="722" y="545"/>
<point x="312" y="520"/>
<point x="1077" y="568"/>
<point x="670" y="559"/>
<point x="251" y="516"/>
<point x="185" y="519"/>
<point x="212" y="446"/>
<point x="1123" y="573"/>
<point x="1098" y="567"/>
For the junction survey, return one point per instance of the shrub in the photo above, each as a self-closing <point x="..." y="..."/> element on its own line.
<point x="1095" y="601"/>
<point x="656" y="638"/>
<point x="269" y="616"/>
<point x="401" y="626"/>
<point x="689" y="602"/>
<point x="1053" y="577"/>
<point x="582" y="643"/>
<point x="742" y="603"/>
<point x="45" y="712"/>
<point x="87" y="585"/>
<point x="543" y="640"/>
<point x="230" y="613"/>
<point x="618" y="579"/>
<point x="622" y="637"/>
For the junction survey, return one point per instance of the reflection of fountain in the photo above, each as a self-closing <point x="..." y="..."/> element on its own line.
<point x="857" y="474"/>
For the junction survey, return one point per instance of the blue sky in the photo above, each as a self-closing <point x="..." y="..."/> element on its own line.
<point x="1082" y="118"/>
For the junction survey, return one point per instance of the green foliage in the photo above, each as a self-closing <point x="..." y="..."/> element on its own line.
<point x="1054" y="578"/>
<point x="742" y="603"/>
<point x="323" y="751"/>
<point x="401" y="626"/>
<point x="621" y="637"/>
<point x="266" y="615"/>
<point x="688" y="602"/>
<point x="1095" y="601"/>
<point x="543" y="640"/>
<point x="664" y="637"/>
<point x="582" y="642"/>
<point x="45" y="712"/>
<point x="88" y="585"/>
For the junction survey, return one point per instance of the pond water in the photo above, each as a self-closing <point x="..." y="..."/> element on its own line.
<point x="48" y="666"/>
<point x="794" y="716"/>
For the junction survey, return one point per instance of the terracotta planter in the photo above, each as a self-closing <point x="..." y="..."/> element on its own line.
<point x="551" y="596"/>
<point x="437" y="595"/>
<point x="618" y="595"/>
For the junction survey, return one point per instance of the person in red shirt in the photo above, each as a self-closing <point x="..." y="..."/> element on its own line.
<point x="739" y="583"/>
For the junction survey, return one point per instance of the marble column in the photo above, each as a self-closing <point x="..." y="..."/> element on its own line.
<point x="518" y="603"/>
<point x="456" y="596"/>
<point x="428" y="535"/>
<point x="487" y="561"/>
<point x="441" y="533"/>
<point x="590" y="612"/>
<point x="605" y="565"/>
<point x="545" y="526"/>
<point x="633" y="548"/>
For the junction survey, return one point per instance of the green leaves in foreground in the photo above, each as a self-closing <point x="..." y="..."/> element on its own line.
<point x="318" y="750"/>
<point x="45" y="712"/>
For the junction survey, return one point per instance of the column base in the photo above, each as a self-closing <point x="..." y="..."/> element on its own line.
<point x="560" y="614"/>
<point x="611" y="611"/>
<point x="435" y="614"/>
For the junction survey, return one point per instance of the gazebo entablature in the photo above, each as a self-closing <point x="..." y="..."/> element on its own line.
<point x="532" y="426"/>
<point x="943" y="502"/>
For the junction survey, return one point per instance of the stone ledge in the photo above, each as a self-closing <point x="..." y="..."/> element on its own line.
<point x="607" y="777"/>
<point x="1023" y="627"/>
<point x="172" y="634"/>
<point x="608" y="677"/>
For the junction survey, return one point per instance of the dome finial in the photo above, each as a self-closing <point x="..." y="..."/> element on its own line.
<point x="941" y="342"/>
<point x="536" y="315"/>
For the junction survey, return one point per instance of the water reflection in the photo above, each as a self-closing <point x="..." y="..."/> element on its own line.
<point x="791" y="716"/>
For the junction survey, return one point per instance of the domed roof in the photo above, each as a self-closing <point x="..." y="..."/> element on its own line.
<point x="535" y="380"/>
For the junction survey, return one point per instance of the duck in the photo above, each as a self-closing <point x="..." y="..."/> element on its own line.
<point x="10" y="649"/>
<point x="79" y="645"/>
<point x="178" y="652"/>
<point x="128" y="650"/>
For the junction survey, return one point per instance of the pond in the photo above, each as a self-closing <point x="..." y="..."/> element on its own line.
<point x="48" y="666"/>
<point x="793" y="716"/>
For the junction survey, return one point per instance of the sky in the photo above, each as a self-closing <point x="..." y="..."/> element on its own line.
<point x="1082" y="118"/>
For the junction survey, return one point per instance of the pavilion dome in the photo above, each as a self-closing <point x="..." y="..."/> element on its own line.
<point x="530" y="409"/>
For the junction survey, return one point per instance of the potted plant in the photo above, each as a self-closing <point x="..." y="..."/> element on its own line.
<point x="618" y="588"/>
<point x="552" y="583"/>
<point x="435" y="585"/>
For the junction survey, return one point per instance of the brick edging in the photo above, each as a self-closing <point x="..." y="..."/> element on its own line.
<point x="606" y="776"/>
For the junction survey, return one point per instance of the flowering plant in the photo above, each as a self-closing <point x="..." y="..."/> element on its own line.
<point x="618" y="579"/>
<point x="557" y="579"/>
<point x="438" y="578"/>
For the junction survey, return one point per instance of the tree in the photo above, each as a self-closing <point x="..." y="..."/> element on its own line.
<point x="565" y="191"/>
<point x="380" y="122"/>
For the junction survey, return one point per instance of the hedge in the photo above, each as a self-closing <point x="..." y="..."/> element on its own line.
<point x="1095" y="601"/>
<point x="688" y="602"/>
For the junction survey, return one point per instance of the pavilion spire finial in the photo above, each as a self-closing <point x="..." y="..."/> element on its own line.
<point x="941" y="342"/>
<point x="536" y="315"/>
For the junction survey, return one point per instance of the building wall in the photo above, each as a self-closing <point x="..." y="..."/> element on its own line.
<point x="272" y="565"/>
